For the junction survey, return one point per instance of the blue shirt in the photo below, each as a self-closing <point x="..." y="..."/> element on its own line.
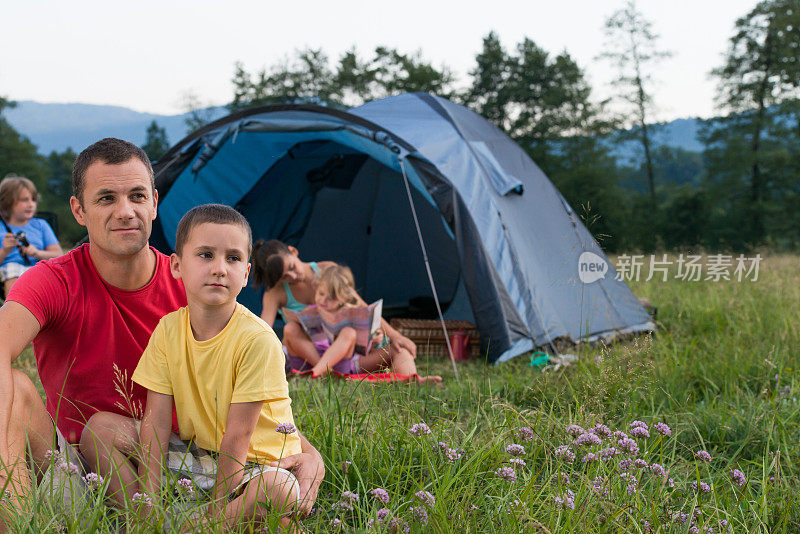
<point x="39" y="234"/>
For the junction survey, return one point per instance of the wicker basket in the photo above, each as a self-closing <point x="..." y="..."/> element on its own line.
<point x="429" y="337"/>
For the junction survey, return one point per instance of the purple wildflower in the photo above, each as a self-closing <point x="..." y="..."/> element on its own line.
<point x="342" y="505"/>
<point x="703" y="487"/>
<point x="69" y="468"/>
<point x="590" y="457"/>
<point x="640" y="432"/>
<point x="524" y="434"/>
<point x="515" y="450"/>
<point x="671" y="483"/>
<point x="346" y="466"/>
<point x="426" y="497"/>
<point x="395" y="524"/>
<point x="586" y="439"/>
<point x="640" y="464"/>
<point x="703" y="456"/>
<point x="694" y="530"/>
<point x="563" y="477"/>
<point x="575" y="430"/>
<point x="350" y="496"/>
<point x="506" y="473"/>
<point x="519" y="462"/>
<point x="420" y="515"/>
<point x="380" y="494"/>
<point x="336" y="523"/>
<point x="418" y="429"/>
<point x="93" y="480"/>
<point x="453" y="455"/>
<point x="607" y="454"/>
<point x="565" y="453"/>
<point x="598" y="486"/>
<point x="638" y="424"/>
<point x="142" y="499"/>
<point x="630" y="478"/>
<point x="625" y="464"/>
<point x="738" y="477"/>
<point x="619" y="434"/>
<point x="285" y="428"/>
<point x="663" y="429"/>
<point x="382" y="514"/>
<point x="629" y="446"/>
<point x="601" y="430"/>
<point x="658" y="470"/>
<point x="567" y="500"/>
<point x="631" y="489"/>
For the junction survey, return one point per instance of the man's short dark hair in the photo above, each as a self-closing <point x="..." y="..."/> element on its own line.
<point x="210" y="213"/>
<point x="112" y="151"/>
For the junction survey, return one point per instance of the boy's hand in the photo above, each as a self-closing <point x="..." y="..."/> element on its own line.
<point x="309" y="470"/>
<point x="9" y="242"/>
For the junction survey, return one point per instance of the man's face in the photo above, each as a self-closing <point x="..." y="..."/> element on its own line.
<point x="118" y="208"/>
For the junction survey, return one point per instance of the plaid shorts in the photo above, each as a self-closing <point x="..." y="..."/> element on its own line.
<point x="12" y="270"/>
<point x="184" y="459"/>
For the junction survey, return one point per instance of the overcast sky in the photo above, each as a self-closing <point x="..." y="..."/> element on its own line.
<point x="146" y="54"/>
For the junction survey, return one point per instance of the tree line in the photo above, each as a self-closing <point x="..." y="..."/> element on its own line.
<point x="742" y="191"/>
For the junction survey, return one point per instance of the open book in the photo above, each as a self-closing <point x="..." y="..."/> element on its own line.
<point x="365" y="320"/>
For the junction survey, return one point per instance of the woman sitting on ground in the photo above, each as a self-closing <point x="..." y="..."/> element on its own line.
<point x="292" y="283"/>
<point x="26" y="240"/>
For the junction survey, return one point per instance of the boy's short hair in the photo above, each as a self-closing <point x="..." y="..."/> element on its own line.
<point x="10" y="188"/>
<point x="210" y="213"/>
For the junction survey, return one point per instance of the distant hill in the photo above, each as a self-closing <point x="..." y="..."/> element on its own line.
<point x="58" y="126"/>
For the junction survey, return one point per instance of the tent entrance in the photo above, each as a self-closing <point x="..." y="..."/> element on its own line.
<point x="336" y="203"/>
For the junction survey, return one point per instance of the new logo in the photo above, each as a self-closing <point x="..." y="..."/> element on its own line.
<point x="591" y="267"/>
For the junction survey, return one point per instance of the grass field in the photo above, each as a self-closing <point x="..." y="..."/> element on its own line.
<point x="721" y="373"/>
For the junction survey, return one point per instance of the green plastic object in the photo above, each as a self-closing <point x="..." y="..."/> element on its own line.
<point x="539" y="359"/>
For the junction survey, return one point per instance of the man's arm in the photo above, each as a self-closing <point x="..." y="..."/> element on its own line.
<point x="309" y="470"/>
<point x="154" y="437"/>
<point x="239" y="427"/>
<point x="18" y="327"/>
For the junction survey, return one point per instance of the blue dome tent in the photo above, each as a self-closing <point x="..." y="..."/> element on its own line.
<point x="413" y="193"/>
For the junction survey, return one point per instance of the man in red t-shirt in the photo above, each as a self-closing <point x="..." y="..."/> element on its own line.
<point x="89" y="315"/>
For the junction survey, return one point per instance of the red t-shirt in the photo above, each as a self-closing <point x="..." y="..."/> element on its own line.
<point x="92" y="335"/>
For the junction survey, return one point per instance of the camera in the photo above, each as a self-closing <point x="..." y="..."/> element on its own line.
<point x="22" y="238"/>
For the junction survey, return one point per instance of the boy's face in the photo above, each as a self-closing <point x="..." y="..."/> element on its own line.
<point x="213" y="264"/>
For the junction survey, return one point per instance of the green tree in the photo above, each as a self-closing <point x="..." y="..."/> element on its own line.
<point x="632" y="47"/>
<point x="156" y="143"/>
<point x="748" y="150"/>
<point x="308" y="78"/>
<point x="17" y="154"/>
<point x="490" y="91"/>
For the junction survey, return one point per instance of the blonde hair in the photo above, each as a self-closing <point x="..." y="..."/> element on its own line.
<point x="339" y="283"/>
<point x="10" y="189"/>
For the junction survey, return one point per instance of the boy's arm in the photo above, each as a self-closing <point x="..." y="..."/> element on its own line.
<point x="309" y="469"/>
<point x="239" y="427"/>
<point x="154" y="438"/>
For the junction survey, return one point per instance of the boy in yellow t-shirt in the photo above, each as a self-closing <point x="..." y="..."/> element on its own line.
<point x="224" y="368"/>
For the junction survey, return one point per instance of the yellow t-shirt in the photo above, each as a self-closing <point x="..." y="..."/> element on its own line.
<point x="243" y="363"/>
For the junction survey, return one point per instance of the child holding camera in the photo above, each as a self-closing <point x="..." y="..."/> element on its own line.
<point x="27" y="239"/>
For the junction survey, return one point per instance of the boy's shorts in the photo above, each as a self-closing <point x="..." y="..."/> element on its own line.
<point x="12" y="270"/>
<point x="184" y="459"/>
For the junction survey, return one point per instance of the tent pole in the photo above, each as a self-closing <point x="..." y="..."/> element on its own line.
<point x="428" y="268"/>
